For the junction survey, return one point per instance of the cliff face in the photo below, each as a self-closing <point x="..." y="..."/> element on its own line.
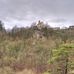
<point x="40" y="25"/>
<point x="38" y="33"/>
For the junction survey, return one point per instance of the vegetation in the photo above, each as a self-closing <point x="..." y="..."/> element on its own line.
<point x="39" y="49"/>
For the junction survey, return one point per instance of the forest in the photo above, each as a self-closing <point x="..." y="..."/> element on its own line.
<point x="38" y="49"/>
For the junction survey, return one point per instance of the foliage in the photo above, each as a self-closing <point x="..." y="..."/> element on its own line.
<point x="50" y="54"/>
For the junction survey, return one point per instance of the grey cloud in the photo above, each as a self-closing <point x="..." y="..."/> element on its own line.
<point x="39" y="7"/>
<point x="29" y="10"/>
<point x="59" y="20"/>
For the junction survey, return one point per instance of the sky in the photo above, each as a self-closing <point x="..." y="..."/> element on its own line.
<point x="57" y="13"/>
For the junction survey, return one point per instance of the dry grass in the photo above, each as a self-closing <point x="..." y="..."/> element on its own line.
<point x="26" y="71"/>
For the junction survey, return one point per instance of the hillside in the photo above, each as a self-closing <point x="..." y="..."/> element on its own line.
<point x="39" y="49"/>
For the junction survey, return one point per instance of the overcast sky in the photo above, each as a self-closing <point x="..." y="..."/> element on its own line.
<point x="24" y="12"/>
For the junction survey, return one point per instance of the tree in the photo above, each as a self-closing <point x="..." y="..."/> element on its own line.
<point x="1" y="26"/>
<point x="60" y="59"/>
